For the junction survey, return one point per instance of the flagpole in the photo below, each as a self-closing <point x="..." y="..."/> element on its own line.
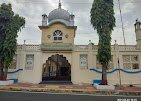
<point x="122" y="24"/>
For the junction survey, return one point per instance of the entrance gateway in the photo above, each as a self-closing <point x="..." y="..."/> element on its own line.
<point x="56" y="68"/>
<point x="58" y="33"/>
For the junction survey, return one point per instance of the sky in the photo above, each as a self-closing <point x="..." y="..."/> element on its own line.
<point x="32" y="10"/>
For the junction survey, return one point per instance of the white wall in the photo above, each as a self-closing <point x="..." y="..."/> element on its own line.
<point x="80" y="76"/>
<point x="34" y="75"/>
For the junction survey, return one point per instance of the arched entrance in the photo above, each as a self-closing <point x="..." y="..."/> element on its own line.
<point x="56" y="68"/>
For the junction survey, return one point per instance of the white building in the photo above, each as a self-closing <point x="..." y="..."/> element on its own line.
<point x="58" y="59"/>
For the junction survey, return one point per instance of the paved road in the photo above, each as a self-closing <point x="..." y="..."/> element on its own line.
<point x="27" y="96"/>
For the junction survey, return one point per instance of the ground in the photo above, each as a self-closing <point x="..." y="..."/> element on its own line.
<point x="72" y="88"/>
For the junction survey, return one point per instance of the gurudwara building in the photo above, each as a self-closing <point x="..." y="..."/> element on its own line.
<point x="57" y="58"/>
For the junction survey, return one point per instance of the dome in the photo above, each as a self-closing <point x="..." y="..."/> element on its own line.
<point x="59" y="14"/>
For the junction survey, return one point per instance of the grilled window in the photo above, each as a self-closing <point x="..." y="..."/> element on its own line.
<point x="57" y="35"/>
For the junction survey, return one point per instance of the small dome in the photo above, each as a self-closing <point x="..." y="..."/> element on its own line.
<point x="59" y="14"/>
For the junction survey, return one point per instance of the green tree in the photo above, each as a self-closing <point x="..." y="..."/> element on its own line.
<point x="103" y="20"/>
<point x="10" y="25"/>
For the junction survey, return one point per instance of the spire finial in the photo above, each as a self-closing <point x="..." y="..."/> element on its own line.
<point x="137" y="20"/>
<point x="115" y="41"/>
<point x="59" y="4"/>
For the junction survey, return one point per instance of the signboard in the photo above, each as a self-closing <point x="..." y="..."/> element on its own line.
<point x="83" y="60"/>
<point x="29" y="62"/>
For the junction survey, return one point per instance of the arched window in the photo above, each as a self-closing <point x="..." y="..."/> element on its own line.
<point x="57" y="35"/>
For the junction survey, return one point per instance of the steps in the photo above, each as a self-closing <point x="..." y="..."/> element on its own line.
<point x="55" y="82"/>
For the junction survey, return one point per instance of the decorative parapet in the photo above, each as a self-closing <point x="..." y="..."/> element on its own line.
<point x="28" y="47"/>
<point x="57" y="47"/>
<point x="32" y="47"/>
<point x="19" y="47"/>
<point x="117" y="69"/>
<point x="127" y="48"/>
<point x="70" y="47"/>
<point x="80" y="47"/>
<point x="113" y="48"/>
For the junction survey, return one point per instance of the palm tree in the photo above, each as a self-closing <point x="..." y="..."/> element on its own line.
<point x="103" y="20"/>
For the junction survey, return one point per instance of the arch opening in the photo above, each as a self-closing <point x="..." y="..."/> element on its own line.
<point x="56" y="68"/>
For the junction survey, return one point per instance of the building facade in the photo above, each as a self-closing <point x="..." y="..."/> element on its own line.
<point x="57" y="58"/>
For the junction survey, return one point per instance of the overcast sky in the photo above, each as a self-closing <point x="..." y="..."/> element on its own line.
<point x="33" y="9"/>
